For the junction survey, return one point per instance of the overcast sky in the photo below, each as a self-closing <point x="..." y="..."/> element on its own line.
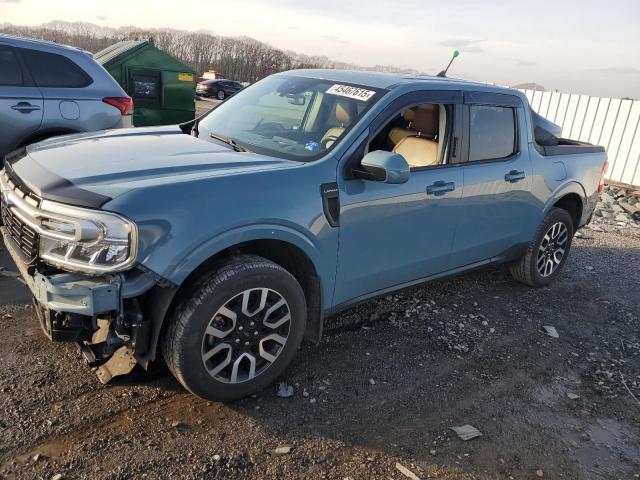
<point x="575" y="46"/>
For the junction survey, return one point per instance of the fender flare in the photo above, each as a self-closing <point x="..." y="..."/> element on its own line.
<point x="565" y="189"/>
<point x="190" y="260"/>
<point x="162" y="298"/>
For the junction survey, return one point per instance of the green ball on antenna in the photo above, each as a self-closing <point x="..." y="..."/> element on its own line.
<point x="443" y="73"/>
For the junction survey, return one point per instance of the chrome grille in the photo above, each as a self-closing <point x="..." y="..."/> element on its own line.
<point x="25" y="237"/>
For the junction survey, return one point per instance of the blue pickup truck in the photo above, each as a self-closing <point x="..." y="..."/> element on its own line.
<point x="220" y="244"/>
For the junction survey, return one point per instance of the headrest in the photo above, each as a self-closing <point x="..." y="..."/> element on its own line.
<point x="408" y="114"/>
<point x="426" y="119"/>
<point x="345" y="111"/>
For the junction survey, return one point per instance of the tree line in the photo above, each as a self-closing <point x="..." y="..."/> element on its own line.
<point x="240" y="58"/>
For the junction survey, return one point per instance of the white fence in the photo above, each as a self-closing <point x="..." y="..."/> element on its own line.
<point x="610" y="122"/>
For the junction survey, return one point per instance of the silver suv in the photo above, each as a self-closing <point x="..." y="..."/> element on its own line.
<point x="48" y="89"/>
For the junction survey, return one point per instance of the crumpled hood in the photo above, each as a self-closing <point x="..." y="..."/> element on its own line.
<point x="110" y="163"/>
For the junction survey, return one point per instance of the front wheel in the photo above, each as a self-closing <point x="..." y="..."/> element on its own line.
<point x="548" y="252"/>
<point x="221" y="95"/>
<point x="237" y="331"/>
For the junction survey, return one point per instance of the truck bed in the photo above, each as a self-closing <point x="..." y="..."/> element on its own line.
<point x="568" y="147"/>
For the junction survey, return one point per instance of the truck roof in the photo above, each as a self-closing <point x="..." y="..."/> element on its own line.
<point x="391" y="80"/>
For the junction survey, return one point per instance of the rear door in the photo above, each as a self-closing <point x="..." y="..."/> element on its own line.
<point x="21" y="104"/>
<point x="62" y="83"/>
<point x="498" y="210"/>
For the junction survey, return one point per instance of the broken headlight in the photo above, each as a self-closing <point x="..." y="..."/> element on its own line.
<point x="85" y="240"/>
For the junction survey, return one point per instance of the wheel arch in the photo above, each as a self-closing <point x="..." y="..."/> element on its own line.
<point x="573" y="204"/>
<point x="570" y="197"/>
<point x="287" y="254"/>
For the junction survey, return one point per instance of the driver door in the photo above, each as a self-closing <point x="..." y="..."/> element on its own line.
<point x="395" y="234"/>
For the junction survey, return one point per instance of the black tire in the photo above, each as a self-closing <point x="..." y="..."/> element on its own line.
<point x="221" y="94"/>
<point x="526" y="269"/>
<point x="184" y="340"/>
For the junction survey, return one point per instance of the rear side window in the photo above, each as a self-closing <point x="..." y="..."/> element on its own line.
<point x="55" y="71"/>
<point x="492" y="132"/>
<point x="10" y="71"/>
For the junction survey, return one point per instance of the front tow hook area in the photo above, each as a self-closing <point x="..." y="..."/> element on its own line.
<point x="108" y="352"/>
<point x="120" y="363"/>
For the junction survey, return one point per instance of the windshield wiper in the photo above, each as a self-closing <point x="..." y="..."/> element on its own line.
<point x="229" y="141"/>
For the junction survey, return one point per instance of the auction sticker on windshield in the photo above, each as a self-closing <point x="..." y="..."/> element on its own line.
<point x="351" y="92"/>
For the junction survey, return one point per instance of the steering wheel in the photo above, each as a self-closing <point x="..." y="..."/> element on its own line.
<point x="269" y="126"/>
<point x="325" y="141"/>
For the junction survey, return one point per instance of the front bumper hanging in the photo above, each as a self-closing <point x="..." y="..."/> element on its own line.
<point x="69" y="306"/>
<point x="78" y="293"/>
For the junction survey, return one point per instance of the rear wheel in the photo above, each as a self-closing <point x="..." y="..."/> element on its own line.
<point x="548" y="252"/>
<point x="237" y="331"/>
<point x="221" y="95"/>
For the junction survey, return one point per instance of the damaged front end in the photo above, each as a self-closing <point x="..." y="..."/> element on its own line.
<point x="79" y="265"/>
<point x="109" y="316"/>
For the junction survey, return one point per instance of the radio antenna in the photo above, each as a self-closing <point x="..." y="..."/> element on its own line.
<point x="443" y="73"/>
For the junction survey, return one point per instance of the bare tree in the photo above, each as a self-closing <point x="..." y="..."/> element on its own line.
<point x="241" y="58"/>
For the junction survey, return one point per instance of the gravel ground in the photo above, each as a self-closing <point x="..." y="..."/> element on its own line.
<point x="204" y="104"/>
<point x="388" y="381"/>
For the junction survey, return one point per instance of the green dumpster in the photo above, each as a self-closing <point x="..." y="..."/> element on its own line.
<point x="161" y="87"/>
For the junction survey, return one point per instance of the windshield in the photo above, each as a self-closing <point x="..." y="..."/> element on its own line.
<point x="295" y="118"/>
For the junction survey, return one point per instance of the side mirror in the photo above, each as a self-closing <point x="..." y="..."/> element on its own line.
<point x="383" y="166"/>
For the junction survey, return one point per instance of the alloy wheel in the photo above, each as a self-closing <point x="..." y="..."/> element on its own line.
<point x="552" y="249"/>
<point x="246" y="335"/>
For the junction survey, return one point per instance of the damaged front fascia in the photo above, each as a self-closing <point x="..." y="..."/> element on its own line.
<point x="91" y="296"/>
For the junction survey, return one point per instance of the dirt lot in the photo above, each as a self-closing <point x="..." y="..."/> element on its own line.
<point x="204" y="104"/>
<point x="388" y="381"/>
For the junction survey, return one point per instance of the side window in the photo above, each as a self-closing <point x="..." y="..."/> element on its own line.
<point x="10" y="70"/>
<point x="418" y="133"/>
<point x="55" y="71"/>
<point x="492" y="132"/>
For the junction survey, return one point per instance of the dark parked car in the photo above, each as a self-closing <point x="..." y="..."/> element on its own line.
<point x="219" y="89"/>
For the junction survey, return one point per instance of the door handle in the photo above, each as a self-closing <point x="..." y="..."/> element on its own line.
<point x="25" y="107"/>
<point x="514" y="176"/>
<point x="440" y="187"/>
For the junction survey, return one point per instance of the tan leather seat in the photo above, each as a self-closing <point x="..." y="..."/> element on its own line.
<point x="398" y="133"/>
<point x="420" y="150"/>
<point x="345" y="112"/>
